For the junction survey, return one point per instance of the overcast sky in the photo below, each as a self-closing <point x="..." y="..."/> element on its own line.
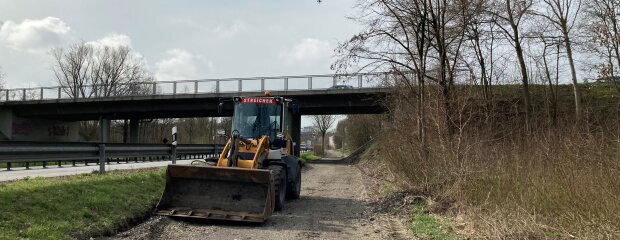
<point x="178" y="39"/>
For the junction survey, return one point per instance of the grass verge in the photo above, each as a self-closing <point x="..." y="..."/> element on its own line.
<point x="427" y="226"/>
<point x="81" y="206"/>
<point x="309" y="156"/>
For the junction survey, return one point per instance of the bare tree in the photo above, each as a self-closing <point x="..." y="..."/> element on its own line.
<point x="71" y="68"/>
<point x="2" y="75"/>
<point x="604" y="23"/>
<point x="478" y="31"/>
<point x="322" y="123"/>
<point x="87" y="71"/>
<point x="117" y="71"/>
<point x="508" y="16"/>
<point x="418" y="41"/>
<point x="552" y="82"/>
<point x="563" y="14"/>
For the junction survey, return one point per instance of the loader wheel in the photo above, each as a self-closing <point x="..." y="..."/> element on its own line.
<point x="295" y="189"/>
<point x="279" y="174"/>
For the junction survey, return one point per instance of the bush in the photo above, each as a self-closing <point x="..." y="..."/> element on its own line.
<point x="549" y="182"/>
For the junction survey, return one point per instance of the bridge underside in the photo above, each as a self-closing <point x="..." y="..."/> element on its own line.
<point x="314" y="102"/>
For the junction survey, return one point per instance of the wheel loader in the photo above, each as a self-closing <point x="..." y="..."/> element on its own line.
<point x="255" y="173"/>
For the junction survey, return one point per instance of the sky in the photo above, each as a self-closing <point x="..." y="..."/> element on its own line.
<point x="180" y="39"/>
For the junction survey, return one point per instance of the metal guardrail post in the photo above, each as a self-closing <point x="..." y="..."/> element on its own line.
<point x="217" y="86"/>
<point x="309" y="83"/>
<point x="154" y="88"/>
<point x="174" y="88"/>
<point x="216" y="151"/>
<point x="334" y="80"/>
<point x="102" y="158"/>
<point x="41" y="94"/>
<point x="285" y="83"/>
<point x="195" y="86"/>
<point x="59" y="92"/>
<point x="8" y="166"/>
<point x="173" y="154"/>
<point x="240" y="85"/>
<point x="262" y="84"/>
<point x="7" y="95"/>
<point x="24" y="94"/>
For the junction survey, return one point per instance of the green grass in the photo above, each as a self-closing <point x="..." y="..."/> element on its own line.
<point x="309" y="156"/>
<point x="81" y="206"/>
<point x="427" y="226"/>
<point x="347" y="151"/>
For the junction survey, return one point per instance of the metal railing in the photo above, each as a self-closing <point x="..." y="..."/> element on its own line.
<point x="200" y="86"/>
<point x="35" y="152"/>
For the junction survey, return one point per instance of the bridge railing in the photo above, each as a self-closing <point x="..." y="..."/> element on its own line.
<point x="199" y="86"/>
<point x="41" y="152"/>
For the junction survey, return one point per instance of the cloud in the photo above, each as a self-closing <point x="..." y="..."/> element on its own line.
<point x="223" y="31"/>
<point x="229" y="31"/>
<point x="34" y="35"/>
<point x="113" y="40"/>
<point x="308" y="50"/>
<point x="179" y="64"/>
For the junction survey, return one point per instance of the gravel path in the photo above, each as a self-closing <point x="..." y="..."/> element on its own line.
<point x="333" y="205"/>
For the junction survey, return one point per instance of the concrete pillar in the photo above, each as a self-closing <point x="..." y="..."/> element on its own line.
<point x="104" y="130"/>
<point x="125" y="130"/>
<point x="134" y="130"/>
<point x="104" y="137"/>
<point x="296" y="133"/>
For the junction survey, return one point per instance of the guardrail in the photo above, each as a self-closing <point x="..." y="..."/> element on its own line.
<point x="200" y="86"/>
<point x="32" y="152"/>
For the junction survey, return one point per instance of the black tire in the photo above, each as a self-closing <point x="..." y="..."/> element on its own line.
<point x="294" y="189"/>
<point x="279" y="176"/>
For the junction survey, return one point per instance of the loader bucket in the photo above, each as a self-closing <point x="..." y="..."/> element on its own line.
<point x="221" y="193"/>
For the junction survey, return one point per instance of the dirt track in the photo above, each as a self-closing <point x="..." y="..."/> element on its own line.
<point x="333" y="205"/>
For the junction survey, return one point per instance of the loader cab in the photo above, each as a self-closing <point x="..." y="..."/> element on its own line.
<point x="254" y="117"/>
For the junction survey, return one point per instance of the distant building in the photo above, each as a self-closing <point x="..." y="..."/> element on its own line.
<point x="306" y="129"/>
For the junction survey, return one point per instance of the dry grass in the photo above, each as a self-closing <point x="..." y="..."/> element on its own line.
<point x="553" y="182"/>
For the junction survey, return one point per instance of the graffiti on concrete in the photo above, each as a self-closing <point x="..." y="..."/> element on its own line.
<point x="23" y="128"/>
<point x="58" y="130"/>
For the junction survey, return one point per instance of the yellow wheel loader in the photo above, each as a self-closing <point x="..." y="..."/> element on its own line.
<point x="254" y="174"/>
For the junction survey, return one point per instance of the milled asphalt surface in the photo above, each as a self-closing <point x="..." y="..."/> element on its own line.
<point x="333" y="205"/>
<point x="55" y="171"/>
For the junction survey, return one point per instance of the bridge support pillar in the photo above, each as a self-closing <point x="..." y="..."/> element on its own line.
<point x="104" y="130"/>
<point x="104" y="137"/>
<point x="297" y="133"/>
<point x="134" y="130"/>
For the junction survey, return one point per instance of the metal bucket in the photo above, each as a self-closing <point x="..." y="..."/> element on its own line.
<point x="222" y="193"/>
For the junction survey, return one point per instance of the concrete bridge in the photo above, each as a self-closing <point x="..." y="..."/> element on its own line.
<point x="27" y="110"/>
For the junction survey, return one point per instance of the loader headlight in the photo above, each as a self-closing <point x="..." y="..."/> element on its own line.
<point x="280" y="135"/>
